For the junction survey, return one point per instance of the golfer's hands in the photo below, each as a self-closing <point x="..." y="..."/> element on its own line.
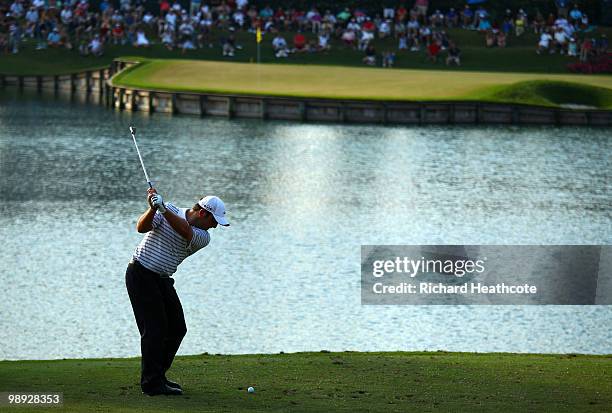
<point x="150" y="193"/>
<point x="156" y="201"/>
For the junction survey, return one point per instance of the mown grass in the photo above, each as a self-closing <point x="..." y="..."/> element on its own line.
<point x="335" y="82"/>
<point x="324" y="382"/>
<point x="550" y="93"/>
<point x="519" y="57"/>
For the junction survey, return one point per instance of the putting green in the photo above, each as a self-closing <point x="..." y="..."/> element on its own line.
<point x="333" y="81"/>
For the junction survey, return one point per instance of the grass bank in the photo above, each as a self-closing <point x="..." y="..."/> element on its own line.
<point x="312" y="382"/>
<point x="519" y="56"/>
<point x="364" y="83"/>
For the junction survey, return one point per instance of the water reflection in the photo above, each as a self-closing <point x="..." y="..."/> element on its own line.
<point x="302" y="199"/>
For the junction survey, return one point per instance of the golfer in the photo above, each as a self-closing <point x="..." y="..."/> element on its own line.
<point x="172" y="234"/>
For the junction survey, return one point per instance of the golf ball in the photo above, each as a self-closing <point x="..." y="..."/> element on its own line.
<point x="251" y="390"/>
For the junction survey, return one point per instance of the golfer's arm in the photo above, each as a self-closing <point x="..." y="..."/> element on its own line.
<point x="179" y="225"/>
<point x="145" y="222"/>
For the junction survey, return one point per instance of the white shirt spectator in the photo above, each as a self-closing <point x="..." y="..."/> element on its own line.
<point x="413" y="24"/>
<point x="560" y="37"/>
<point x="16" y="9"/>
<point x="324" y="41"/>
<point x="38" y="3"/>
<point x="206" y="21"/>
<point x="167" y="37"/>
<point x="141" y="39"/>
<point x="95" y="45"/>
<point x="241" y="4"/>
<point x="330" y="18"/>
<point x="186" y="29"/>
<point x="354" y="26"/>
<point x="32" y="16"/>
<point x="171" y="19"/>
<point x="176" y="7"/>
<point x="239" y="18"/>
<point x="312" y="14"/>
<point x="148" y="18"/>
<point x="385" y="28"/>
<point x="388" y="13"/>
<point x="367" y="36"/>
<point x="116" y="18"/>
<point x="279" y="42"/>
<point x="348" y="36"/>
<point x="545" y="39"/>
<point x="66" y="16"/>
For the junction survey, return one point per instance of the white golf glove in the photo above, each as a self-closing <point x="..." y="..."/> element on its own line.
<point x="158" y="203"/>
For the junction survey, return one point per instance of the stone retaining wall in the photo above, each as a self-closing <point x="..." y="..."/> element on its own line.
<point x="99" y="83"/>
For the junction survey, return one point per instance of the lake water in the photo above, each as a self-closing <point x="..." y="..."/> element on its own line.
<point x="302" y="199"/>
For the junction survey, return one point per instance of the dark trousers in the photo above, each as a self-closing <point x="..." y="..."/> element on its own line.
<point x="160" y="320"/>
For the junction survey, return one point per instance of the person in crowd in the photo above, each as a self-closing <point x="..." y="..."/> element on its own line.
<point x="54" y="39"/>
<point x="324" y="42"/>
<point x="384" y="30"/>
<point x="279" y="44"/>
<point x="562" y="7"/>
<point x="229" y="45"/>
<point x="452" y="18"/>
<point x="501" y="39"/>
<point x="560" y="40"/>
<point x="349" y="38"/>
<point x="14" y="37"/>
<point x="388" y="59"/>
<point x="454" y="55"/>
<point x="403" y="42"/>
<point x="601" y="45"/>
<point x="299" y="43"/>
<point x="433" y="51"/>
<point x="95" y="46"/>
<point x="141" y="39"/>
<point x="167" y="39"/>
<point x="118" y="34"/>
<point x="572" y="47"/>
<point x="366" y="38"/>
<point x="467" y="17"/>
<point x="370" y="55"/>
<point x="520" y="24"/>
<point x="575" y="15"/>
<point x="421" y="7"/>
<point x="544" y="43"/>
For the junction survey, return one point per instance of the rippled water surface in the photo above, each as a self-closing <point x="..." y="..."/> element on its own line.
<point x="301" y="198"/>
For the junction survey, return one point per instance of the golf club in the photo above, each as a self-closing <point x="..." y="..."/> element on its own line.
<point x="133" y="132"/>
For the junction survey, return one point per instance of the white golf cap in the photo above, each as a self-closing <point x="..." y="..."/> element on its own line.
<point x="215" y="206"/>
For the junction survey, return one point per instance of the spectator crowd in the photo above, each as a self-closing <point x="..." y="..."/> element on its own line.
<point x="77" y="25"/>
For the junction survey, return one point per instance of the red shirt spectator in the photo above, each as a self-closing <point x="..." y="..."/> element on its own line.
<point x="401" y="14"/>
<point x="118" y="31"/>
<point x="164" y="6"/>
<point x="299" y="41"/>
<point x="368" y="26"/>
<point x="434" y="49"/>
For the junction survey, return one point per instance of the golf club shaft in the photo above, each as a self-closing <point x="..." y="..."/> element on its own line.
<point x="133" y="132"/>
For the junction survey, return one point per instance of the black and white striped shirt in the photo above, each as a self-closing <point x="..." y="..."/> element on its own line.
<point x="162" y="249"/>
